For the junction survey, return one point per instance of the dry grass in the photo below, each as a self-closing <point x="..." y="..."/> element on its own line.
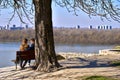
<point x="15" y="35"/>
<point x="68" y="36"/>
<point x="87" y="36"/>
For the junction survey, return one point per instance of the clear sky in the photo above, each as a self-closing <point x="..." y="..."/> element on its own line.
<point x="62" y="18"/>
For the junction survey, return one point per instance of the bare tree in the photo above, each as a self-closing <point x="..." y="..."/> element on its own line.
<point x="109" y="9"/>
<point x="45" y="52"/>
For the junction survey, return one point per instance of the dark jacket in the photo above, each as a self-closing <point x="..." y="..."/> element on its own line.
<point x="32" y="47"/>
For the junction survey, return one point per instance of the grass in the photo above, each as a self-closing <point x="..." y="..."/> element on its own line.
<point x="115" y="63"/>
<point x="95" y="78"/>
<point x="117" y="47"/>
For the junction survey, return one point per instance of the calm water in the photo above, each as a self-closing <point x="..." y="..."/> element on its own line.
<point x="8" y="49"/>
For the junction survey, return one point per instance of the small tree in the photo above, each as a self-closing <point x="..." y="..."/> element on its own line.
<point x="45" y="52"/>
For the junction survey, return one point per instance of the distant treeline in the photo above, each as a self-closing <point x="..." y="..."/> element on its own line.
<point x="15" y="35"/>
<point x="87" y="36"/>
<point x="68" y="36"/>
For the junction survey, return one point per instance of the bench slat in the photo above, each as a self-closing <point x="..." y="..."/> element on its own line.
<point x="26" y="55"/>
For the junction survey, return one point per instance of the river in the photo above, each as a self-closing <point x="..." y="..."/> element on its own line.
<point x="8" y="50"/>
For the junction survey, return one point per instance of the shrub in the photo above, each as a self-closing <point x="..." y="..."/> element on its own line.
<point x="115" y="63"/>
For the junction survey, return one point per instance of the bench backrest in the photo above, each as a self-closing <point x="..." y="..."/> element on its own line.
<point x="26" y="55"/>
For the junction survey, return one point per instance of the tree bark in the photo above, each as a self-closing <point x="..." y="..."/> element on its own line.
<point x="44" y="51"/>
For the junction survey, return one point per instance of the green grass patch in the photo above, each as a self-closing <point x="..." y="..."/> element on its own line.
<point x="98" y="78"/>
<point x="115" y="63"/>
<point x="117" y="47"/>
<point x="94" y="78"/>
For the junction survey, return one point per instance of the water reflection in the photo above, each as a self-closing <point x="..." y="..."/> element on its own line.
<point x="82" y="48"/>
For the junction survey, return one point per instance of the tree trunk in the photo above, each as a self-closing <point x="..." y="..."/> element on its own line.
<point x="45" y="51"/>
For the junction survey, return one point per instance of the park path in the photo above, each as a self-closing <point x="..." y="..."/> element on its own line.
<point x="75" y="68"/>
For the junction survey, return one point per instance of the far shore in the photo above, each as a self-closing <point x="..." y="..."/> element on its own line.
<point x="67" y="36"/>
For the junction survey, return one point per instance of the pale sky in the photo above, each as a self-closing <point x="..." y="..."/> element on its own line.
<point x="62" y="18"/>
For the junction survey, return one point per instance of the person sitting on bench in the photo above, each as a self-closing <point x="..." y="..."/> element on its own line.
<point x="32" y="46"/>
<point x="24" y="47"/>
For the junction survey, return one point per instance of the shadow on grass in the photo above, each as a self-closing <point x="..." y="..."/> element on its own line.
<point x="84" y="63"/>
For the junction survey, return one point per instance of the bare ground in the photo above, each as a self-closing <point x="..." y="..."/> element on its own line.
<point x="75" y="69"/>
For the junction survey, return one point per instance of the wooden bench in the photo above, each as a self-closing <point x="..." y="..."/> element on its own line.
<point x="22" y="56"/>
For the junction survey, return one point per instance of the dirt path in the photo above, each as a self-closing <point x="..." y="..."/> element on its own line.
<point x="76" y="67"/>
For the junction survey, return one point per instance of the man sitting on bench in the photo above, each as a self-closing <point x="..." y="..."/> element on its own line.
<point x="32" y="47"/>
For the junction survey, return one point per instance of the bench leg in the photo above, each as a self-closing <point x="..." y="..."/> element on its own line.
<point x="15" y="61"/>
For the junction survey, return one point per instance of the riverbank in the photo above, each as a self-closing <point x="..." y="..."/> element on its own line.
<point x="67" y="36"/>
<point x="75" y="68"/>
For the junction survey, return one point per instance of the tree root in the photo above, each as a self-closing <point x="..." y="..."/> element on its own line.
<point x="48" y="68"/>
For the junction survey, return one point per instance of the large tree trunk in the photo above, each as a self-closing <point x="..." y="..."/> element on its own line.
<point x="45" y="51"/>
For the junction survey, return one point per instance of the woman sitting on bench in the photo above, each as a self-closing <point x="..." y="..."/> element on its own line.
<point x="24" y="47"/>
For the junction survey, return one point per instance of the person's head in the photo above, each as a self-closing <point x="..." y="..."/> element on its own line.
<point x="24" y="41"/>
<point x="32" y="40"/>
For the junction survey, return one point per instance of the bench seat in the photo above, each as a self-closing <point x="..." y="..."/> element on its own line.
<point x="24" y="56"/>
